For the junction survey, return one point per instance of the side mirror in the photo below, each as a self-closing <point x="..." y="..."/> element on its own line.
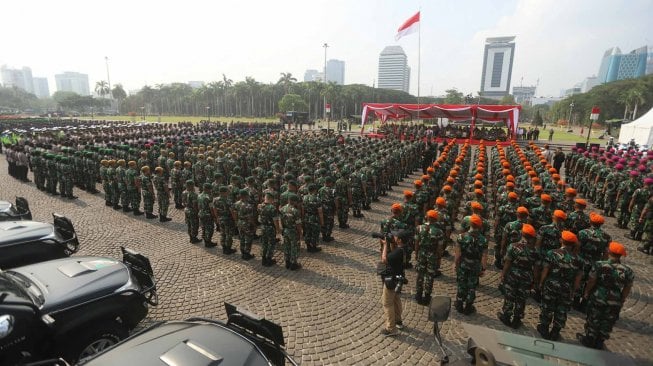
<point x="6" y="325"/>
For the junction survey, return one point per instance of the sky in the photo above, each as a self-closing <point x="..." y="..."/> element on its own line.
<point x="148" y="42"/>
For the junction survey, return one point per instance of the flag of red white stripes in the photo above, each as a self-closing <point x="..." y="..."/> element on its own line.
<point x="410" y="26"/>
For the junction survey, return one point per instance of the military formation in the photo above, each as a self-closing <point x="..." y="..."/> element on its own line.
<point x="279" y="189"/>
<point x="546" y="246"/>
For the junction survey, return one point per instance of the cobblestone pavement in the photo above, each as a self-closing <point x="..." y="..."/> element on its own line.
<point x="330" y="310"/>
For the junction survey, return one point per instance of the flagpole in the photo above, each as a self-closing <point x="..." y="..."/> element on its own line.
<point x="419" y="59"/>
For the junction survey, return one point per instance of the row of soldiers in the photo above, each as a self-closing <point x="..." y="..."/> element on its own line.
<point x="545" y="243"/>
<point x="620" y="183"/>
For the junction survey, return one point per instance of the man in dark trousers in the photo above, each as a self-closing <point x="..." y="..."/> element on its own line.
<point x="393" y="256"/>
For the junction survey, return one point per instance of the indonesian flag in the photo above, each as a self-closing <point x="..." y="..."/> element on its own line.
<point x="410" y="26"/>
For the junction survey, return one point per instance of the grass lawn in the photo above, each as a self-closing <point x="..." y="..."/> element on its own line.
<point x="561" y="135"/>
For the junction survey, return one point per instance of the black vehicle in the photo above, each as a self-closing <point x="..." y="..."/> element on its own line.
<point x="245" y="340"/>
<point x="28" y="242"/>
<point x="19" y="211"/>
<point x="72" y="307"/>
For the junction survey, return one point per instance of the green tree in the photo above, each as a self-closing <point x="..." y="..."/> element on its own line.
<point x="453" y="96"/>
<point x="508" y="100"/>
<point x="292" y="102"/>
<point x="287" y="80"/>
<point x="537" y="120"/>
<point x="102" y="88"/>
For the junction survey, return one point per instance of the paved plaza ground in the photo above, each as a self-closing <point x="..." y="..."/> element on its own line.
<point x="330" y="310"/>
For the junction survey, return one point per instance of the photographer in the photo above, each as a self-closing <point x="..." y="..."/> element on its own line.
<point x="393" y="279"/>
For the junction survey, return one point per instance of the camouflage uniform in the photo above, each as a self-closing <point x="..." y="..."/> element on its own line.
<point x="267" y="214"/>
<point x="106" y="184"/>
<point x="605" y="300"/>
<point x="222" y="205"/>
<point x="577" y="221"/>
<point x="189" y="200"/>
<point x="512" y="232"/>
<point x="312" y="205"/>
<point x="626" y="191"/>
<point x="148" y="196"/>
<point x="245" y="221"/>
<point x="593" y="245"/>
<point x="429" y="238"/>
<point x="518" y="279"/>
<point x="132" y="181"/>
<point x="162" y="195"/>
<point x="122" y="187"/>
<point x="343" y="194"/>
<point x="610" y="198"/>
<point x="326" y="195"/>
<point x="206" y="220"/>
<point x="472" y="245"/>
<point x="290" y="218"/>
<point x="563" y="268"/>
<point x="177" y="185"/>
<point x="639" y="200"/>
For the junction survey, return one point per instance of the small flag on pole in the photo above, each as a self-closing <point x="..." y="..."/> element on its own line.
<point x="410" y="26"/>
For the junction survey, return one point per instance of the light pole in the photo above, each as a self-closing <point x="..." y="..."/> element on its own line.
<point x="208" y="115"/>
<point x="324" y="80"/>
<point x="571" y="108"/>
<point x="143" y="112"/>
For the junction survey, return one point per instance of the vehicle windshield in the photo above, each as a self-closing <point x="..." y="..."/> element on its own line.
<point x="22" y="285"/>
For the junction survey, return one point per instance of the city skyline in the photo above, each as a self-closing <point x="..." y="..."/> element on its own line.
<point x="557" y="41"/>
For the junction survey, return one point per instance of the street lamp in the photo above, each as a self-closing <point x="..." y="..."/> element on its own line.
<point x="143" y="112"/>
<point x="208" y="115"/>
<point x="324" y="80"/>
<point x="571" y="108"/>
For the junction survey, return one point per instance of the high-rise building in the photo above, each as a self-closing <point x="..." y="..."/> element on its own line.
<point x="335" y="71"/>
<point x="394" y="72"/>
<point x="523" y="94"/>
<point x="497" y="67"/>
<point x="20" y="78"/>
<point x="73" y="82"/>
<point x="310" y="75"/>
<point x="41" y="87"/>
<point x="618" y="66"/>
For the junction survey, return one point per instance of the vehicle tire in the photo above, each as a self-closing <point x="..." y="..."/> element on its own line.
<point x="89" y="342"/>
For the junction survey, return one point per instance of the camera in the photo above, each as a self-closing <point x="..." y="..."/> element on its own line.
<point x="394" y="283"/>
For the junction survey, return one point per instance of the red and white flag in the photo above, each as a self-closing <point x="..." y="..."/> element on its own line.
<point x="410" y="26"/>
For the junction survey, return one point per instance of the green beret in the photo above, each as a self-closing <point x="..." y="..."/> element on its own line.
<point x="223" y="189"/>
<point x="243" y="192"/>
<point x="190" y="182"/>
<point x="218" y="175"/>
<point x="329" y="179"/>
<point x="312" y="187"/>
<point x="293" y="197"/>
<point x="207" y="186"/>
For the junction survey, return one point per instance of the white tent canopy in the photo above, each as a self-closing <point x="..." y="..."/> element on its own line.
<point x="641" y="130"/>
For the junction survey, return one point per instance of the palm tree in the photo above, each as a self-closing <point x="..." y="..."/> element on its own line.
<point x="227" y="84"/>
<point x="118" y="93"/>
<point x="287" y="80"/>
<point x="102" y="88"/>
<point x="635" y="97"/>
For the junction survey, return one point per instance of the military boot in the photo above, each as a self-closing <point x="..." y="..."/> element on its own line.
<point x="149" y="215"/>
<point x="504" y="319"/>
<point x="164" y="219"/>
<point x="585" y="340"/>
<point x="543" y="330"/>
<point x="126" y="209"/>
<point x="469" y="309"/>
<point x="138" y="212"/>
<point x="554" y="335"/>
<point x="419" y="298"/>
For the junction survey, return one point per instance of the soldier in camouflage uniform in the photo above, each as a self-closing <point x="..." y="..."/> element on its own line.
<point x="113" y="182"/>
<point x="225" y="221"/>
<point x="177" y="183"/>
<point x="122" y="186"/>
<point x="291" y="222"/>
<point x="517" y="276"/>
<point x="511" y="234"/>
<point x="148" y="192"/>
<point x="541" y="215"/>
<point x="326" y="194"/>
<point x="428" y="239"/>
<point x="561" y="274"/>
<point x="191" y="211"/>
<point x="106" y="184"/>
<point x="205" y="213"/>
<point x="133" y="183"/>
<point x="67" y="170"/>
<point x="162" y="194"/>
<point x="244" y="215"/>
<point x="593" y="245"/>
<point x="637" y="203"/>
<point x="358" y="183"/>
<point x="578" y="220"/>
<point x="470" y="263"/>
<point x="313" y="218"/>
<point x="624" y="194"/>
<point x="268" y="216"/>
<point x="610" y="282"/>
<point x="343" y="199"/>
<point x="612" y="181"/>
<point x="548" y="238"/>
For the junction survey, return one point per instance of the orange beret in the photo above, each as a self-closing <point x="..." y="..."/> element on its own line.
<point x="425" y="177"/>
<point x="453" y="173"/>
<point x="479" y="192"/>
<point x="510" y="178"/>
<point x="505" y="171"/>
<point x="581" y="202"/>
<point x="510" y="184"/>
<point x="532" y="173"/>
<point x="418" y="183"/>
<point x="552" y="170"/>
<point x="440" y="201"/>
<point x="522" y="210"/>
<point x="396" y="207"/>
<point x="478" y="184"/>
<point x="478" y="177"/>
<point x="513" y="195"/>
<point x="430" y="170"/>
<point x="447" y="188"/>
<point x="560" y="214"/>
<point x="617" y="249"/>
<point x="432" y="214"/>
<point x="505" y="164"/>
<point x="569" y="237"/>
<point x="480" y="169"/>
<point x="408" y="193"/>
<point x="451" y="180"/>
<point x="528" y="230"/>
<point x="596" y="219"/>
<point x="537" y="189"/>
<point x="476" y="221"/>
<point x="570" y="192"/>
<point x="476" y="206"/>
<point x="546" y="198"/>
<point x="535" y="180"/>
